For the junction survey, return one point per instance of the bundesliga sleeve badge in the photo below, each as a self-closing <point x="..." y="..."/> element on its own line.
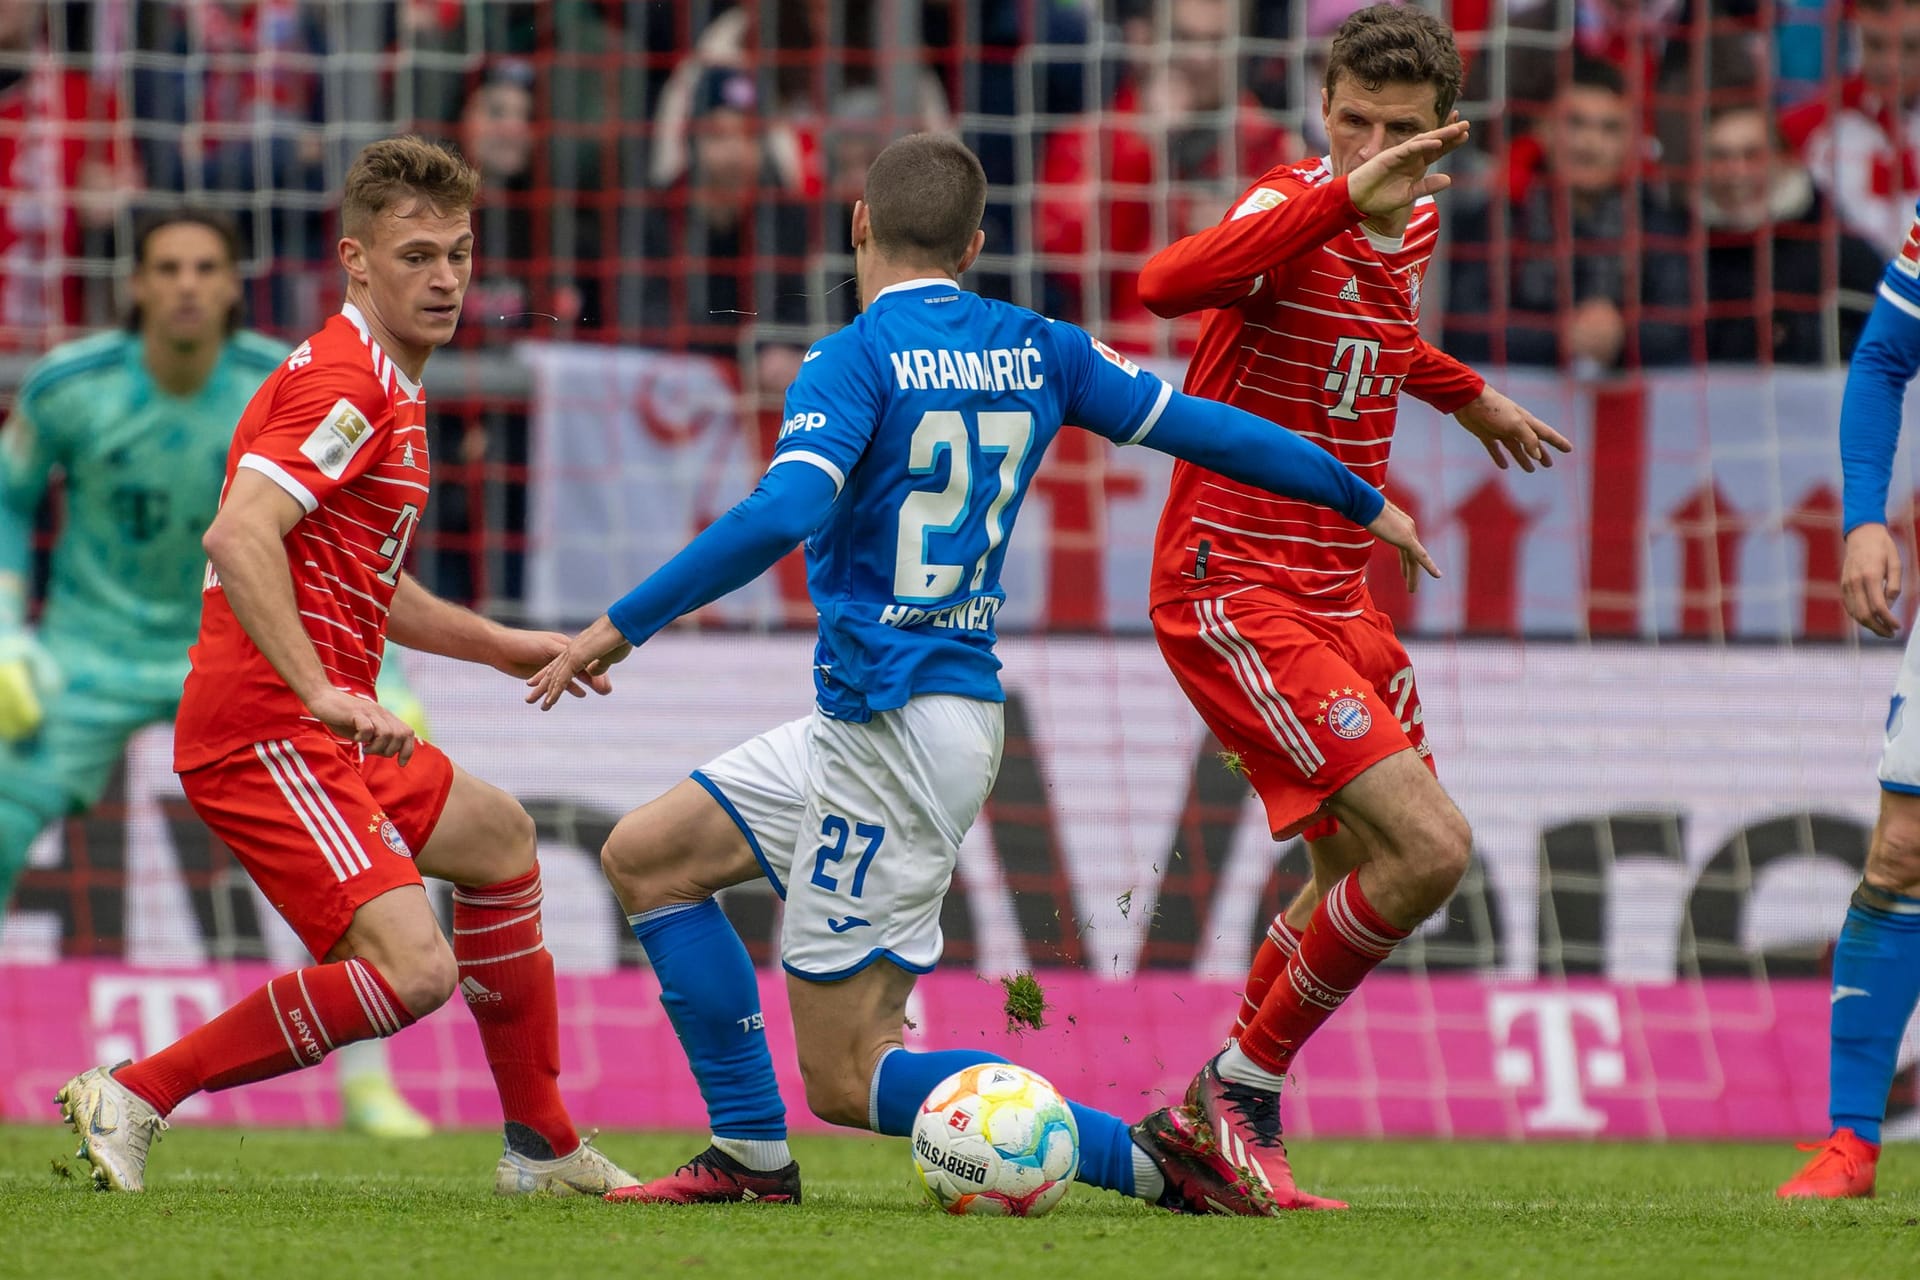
<point x="339" y="436"/>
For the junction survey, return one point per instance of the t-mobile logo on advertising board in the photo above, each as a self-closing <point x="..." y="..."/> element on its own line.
<point x="1553" y="1062"/>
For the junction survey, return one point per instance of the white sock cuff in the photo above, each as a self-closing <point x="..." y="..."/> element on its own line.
<point x="661" y="913"/>
<point x="762" y="1155"/>
<point x="1148" y="1182"/>
<point x="1236" y="1066"/>
<point x="873" y="1088"/>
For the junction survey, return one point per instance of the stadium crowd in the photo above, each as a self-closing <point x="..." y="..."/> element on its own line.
<point x="1659" y="183"/>
<point x="1679" y="181"/>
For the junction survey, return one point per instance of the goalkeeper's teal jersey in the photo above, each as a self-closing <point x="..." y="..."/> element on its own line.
<point x="143" y="474"/>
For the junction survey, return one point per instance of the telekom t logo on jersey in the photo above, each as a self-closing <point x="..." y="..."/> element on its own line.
<point x="1352" y="376"/>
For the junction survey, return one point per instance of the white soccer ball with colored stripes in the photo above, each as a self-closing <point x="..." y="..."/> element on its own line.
<point x="996" y="1139"/>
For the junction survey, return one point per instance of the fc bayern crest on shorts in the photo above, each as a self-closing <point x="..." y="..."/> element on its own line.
<point x="1348" y="717"/>
<point x="390" y="835"/>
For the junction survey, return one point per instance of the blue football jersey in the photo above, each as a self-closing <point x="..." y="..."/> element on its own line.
<point x="931" y="413"/>
<point x="1885" y="360"/>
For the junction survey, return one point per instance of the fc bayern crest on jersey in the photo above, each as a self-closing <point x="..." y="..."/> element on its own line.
<point x="389" y="835"/>
<point x="1349" y="718"/>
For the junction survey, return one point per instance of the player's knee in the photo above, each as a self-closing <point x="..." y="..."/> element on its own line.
<point x="519" y="839"/>
<point x="623" y="858"/>
<point x="1452" y="848"/>
<point x="1893" y="859"/>
<point x="422" y="975"/>
<point x="833" y="1094"/>
<point x="1436" y="848"/>
<point x="507" y="848"/>
<point x="836" y="1073"/>
<point x="430" y="981"/>
<point x="642" y="863"/>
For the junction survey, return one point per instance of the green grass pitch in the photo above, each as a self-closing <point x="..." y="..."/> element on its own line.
<point x="222" y="1203"/>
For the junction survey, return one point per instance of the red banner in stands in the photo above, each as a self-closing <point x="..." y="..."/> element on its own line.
<point x="1701" y="504"/>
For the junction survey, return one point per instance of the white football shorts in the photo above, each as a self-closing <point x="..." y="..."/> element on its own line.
<point x="1900" y="756"/>
<point x="858" y="826"/>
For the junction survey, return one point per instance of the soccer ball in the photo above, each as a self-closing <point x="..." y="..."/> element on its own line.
<point x="996" y="1139"/>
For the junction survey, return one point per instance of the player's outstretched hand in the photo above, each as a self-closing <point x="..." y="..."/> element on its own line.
<point x="1398" y="176"/>
<point x="1395" y="527"/>
<point x="1870" y="579"/>
<point x="527" y="653"/>
<point x="586" y="657"/>
<point x="1498" y="423"/>
<point x="379" y="731"/>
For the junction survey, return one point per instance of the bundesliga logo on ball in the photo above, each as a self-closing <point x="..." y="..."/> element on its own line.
<point x="998" y="1140"/>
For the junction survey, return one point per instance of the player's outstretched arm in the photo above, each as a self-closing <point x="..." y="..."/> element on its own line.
<point x="422" y="620"/>
<point x="1884" y="362"/>
<point x="246" y="546"/>
<point x="1248" y="448"/>
<point x="789" y="504"/>
<point x="1275" y="224"/>
<point x="1270" y="227"/>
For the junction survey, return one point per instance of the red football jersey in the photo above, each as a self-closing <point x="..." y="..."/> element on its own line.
<point x="1317" y="330"/>
<point x="340" y="428"/>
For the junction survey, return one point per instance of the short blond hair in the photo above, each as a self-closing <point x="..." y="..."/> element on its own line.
<point x="389" y="171"/>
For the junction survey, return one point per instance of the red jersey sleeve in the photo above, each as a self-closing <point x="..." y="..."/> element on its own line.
<point x="321" y="432"/>
<point x="1278" y="219"/>
<point x="1440" y="380"/>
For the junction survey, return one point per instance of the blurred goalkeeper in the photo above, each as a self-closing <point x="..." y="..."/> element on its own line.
<point x="139" y="420"/>
<point x="1876" y="966"/>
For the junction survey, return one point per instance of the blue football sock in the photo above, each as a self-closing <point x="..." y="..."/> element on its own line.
<point x="1876" y="981"/>
<point x="708" y="988"/>
<point x="905" y="1078"/>
<point x="1106" y="1149"/>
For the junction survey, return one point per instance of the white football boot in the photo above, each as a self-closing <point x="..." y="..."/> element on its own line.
<point x="115" y="1125"/>
<point x="584" y="1171"/>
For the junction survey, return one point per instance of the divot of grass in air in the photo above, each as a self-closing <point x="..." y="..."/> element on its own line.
<point x="1026" y="1004"/>
<point x="1232" y="762"/>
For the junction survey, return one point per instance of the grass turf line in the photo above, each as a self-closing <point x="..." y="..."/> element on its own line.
<point x="223" y="1203"/>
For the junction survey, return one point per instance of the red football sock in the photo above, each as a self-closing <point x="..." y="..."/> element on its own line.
<point x="1344" y="940"/>
<point x="1276" y="949"/>
<point x="506" y="976"/>
<point x="292" y="1022"/>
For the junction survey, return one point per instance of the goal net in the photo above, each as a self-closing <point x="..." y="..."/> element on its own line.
<point x="1636" y="674"/>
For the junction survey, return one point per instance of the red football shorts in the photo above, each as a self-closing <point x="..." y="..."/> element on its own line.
<point x="321" y="830"/>
<point x="1308" y="703"/>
